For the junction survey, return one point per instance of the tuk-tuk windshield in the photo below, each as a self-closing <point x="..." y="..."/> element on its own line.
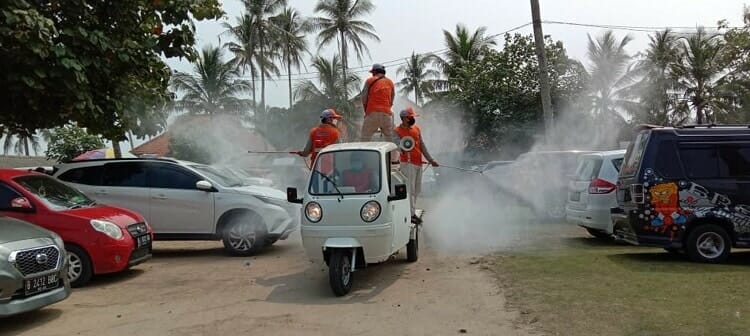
<point x="352" y="172"/>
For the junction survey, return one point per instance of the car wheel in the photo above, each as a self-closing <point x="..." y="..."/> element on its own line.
<point x="340" y="273"/>
<point x="709" y="244"/>
<point x="244" y="236"/>
<point x="599" y="234"/>
<point x="80" y="270"/>
<point x="412" y="248"/>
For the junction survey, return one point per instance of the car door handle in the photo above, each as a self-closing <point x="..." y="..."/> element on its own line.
<point x="160" y="197"/>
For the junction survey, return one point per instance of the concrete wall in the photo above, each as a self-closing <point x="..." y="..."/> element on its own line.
<point x="13" y="161"/>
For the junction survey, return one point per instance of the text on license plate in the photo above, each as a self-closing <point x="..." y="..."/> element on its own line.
<point x="144" y="240"/>
<point x="40" y="284"/>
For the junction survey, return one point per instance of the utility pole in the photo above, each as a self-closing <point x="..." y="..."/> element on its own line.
<point x="543" y="76"/>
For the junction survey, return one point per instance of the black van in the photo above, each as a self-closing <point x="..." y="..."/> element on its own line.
<point x="686" y="189"/>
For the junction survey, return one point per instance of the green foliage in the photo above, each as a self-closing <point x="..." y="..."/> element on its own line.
<point x="184" y="147"/>
<point x="68" y="141"/>
<point x="87" y="62"/>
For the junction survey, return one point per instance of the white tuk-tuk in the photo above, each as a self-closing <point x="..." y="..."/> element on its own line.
<point x="355" y="210"/>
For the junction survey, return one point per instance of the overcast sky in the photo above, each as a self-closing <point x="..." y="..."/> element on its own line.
<point x="416" y="25"/>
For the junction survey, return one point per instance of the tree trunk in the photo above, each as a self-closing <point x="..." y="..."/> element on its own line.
<point x="262" y="75"/>
<point x="25" y="145"/>
<point x="116" y="148"/>
<point x="543" y="76"/>
<point x="344" y="64"/>
<point x="130" y="140"/>
<point x="252" y="78"/>
<point x="289" y="74"/>
<point x="416" y="93"/>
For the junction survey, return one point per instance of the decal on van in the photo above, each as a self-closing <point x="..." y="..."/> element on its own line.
<point x="668" y="205"/>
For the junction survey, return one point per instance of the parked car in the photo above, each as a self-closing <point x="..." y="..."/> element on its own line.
<point x="98" y="238"/>
<point x="188" y="201"/>
<point x="544" y="176"/>
<point x="591" y="192"/>
<point x="246" y="178"/>
<point x="686" y="189"/>
<point x="33" y="266"/>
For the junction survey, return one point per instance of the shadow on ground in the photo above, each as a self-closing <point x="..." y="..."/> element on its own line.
<point x="662" y="261"/>
<point x="25" y="323"/>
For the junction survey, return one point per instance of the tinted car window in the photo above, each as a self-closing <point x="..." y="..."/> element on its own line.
<point x="666" y="163"/>
<point x="617" y="163"/>
<point x="84" y="175"/>
<point x="7" y="194"/>
<point x="699" y="161"/>
<point x="162" y="175"/>
<point x="125" y="174"/>
<point x="734" y="160"/>
<point x="634" y="154"/>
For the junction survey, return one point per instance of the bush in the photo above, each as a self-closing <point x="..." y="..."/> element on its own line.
<point x="69" y="141"/>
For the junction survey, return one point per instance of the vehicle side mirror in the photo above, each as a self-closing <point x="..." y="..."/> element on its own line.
<point x="205" y="186"/>
<point x="21" y="204"/>
<point x="291" y="196"/>
<point x="400" y="193"/>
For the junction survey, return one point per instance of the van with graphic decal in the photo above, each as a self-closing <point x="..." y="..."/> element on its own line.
<point x="686" y="189"/>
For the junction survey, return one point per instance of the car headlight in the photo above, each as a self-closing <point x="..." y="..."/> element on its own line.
<point x="107" y="228"/>
<point x="370" y="211"/>
<point x="313" y="212"/>
<point x="58" y="241"/>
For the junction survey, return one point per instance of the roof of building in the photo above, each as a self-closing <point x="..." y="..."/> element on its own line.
<point x="159" y="146"/>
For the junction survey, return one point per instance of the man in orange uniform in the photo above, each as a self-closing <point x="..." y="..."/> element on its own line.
<point x="325" y="134"/>
<point x="377" y="100"/>
<point x="411" y="161"/>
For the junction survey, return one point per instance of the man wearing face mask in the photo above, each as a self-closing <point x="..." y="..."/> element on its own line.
<point x="327" y="133"/>
<point x="411" y="161"/>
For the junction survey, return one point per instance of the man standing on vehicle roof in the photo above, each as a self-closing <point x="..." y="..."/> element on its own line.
<point x="377" y="100"/>
<point x="411" y="161"/>
<point x="327" y="133"/>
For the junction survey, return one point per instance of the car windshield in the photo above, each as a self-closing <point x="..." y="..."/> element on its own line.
<point x="634" y="155"/>
<point x="56" y="195"/>
<point x="221" y="176"/>
<point x="349" y="171"/>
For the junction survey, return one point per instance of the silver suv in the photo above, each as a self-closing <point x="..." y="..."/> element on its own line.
<point x="188" y="201"/>
<point x="33" y="267"/>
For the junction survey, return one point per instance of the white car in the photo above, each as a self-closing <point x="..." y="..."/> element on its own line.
<point x="187" y="201"/>
<point x="592" y="192"/>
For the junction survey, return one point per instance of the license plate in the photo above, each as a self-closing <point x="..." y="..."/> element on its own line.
<point x="144" y="240"/>
<point x="575" y="196"/>
<point x="40" y="284"/>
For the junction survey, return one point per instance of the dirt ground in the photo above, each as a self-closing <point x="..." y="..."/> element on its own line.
<point x="192" y="288"/>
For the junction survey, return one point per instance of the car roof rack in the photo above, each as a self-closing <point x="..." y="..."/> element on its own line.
<point x="716" y="126"/>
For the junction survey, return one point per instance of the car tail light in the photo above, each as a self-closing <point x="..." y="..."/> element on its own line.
<point x="636" y="193"/>
<point x="599" y="186"/>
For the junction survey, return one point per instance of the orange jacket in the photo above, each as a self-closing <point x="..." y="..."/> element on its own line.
<point x="320" y="137"/>
<point x="377" y="96"/>
<point x="415" y="155"/>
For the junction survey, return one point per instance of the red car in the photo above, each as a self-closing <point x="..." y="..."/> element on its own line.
<point x="98" y="238"/>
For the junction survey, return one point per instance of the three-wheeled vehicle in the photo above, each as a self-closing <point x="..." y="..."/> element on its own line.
<point x="356" y="210"/>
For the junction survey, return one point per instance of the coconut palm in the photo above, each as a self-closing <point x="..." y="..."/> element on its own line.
<point x="701" y="71"/>
<point x="244" y="49"/>
<point x="658" y="80"/>
<point x="214" y="86"/>
<point x="610" y="76"/>
<point x="260" y="12"/>
<point x="341" y="22"/>
<point x="291" y="29"/>
<point x="20" y="141"/>
<point x="463" y="47"/>
<point x="418" y="77"/>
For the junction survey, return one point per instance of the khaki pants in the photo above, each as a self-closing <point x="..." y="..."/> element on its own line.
<point x="413" y="175"/>
<point x="375" y="120"/>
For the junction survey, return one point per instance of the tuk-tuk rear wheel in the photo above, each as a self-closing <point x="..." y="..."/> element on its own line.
<point x="412" y="248"/>
<point x="340" y="273"/>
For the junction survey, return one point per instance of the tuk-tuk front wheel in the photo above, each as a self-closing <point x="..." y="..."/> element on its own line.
<point x="340" y="271"/>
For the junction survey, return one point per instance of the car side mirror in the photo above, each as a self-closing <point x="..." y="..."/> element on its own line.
<point x="400" y="193"/>
<point x="291" y="196"/>
<point x="205" y="186"/>
<point x="21" y="204"/>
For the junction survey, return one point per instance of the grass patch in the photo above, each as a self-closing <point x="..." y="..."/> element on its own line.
<point x="587" y="287"/>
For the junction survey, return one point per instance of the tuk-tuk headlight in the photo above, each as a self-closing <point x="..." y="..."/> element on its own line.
<point x="370" y="211"/>
<point x="313" y="212"/>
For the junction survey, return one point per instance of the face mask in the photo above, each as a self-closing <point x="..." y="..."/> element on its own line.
<point x="411" y="121"/>
<point x="335" y="122"/>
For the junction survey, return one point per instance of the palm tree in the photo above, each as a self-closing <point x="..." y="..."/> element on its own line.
<point x="331" y="91"/>
<point x="260" y="12"/>
<point x="292" y="28"/>
<point x="19" y="141"/>
<point x="658" y="80"/>
<point x="463" y="47"/>
<point x="610" y="76"/>
<point x="341" y="23"/>
<point x="214" y="86"/>
<point x="245" y="49"/>
<point x="418" y="78"/>
<point x="700" y="71"/>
